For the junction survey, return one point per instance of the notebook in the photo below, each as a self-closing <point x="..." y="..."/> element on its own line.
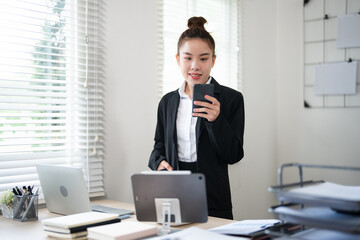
<point x="79" y="228"/>
<point x="122" y="231"/>
<point x="79" y="219"/>
<point x="78" y="235"/>
<point x="66" y="193"/>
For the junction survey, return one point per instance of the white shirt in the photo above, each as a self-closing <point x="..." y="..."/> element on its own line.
<point x="185" y="127"/>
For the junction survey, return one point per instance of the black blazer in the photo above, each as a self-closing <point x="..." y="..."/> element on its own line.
<point x="219" y="143"/>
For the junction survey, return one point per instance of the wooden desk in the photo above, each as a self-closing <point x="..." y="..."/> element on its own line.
<point x="13" y="230"/>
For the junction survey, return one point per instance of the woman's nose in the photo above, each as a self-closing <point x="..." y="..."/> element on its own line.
<point x="195" y="65"/>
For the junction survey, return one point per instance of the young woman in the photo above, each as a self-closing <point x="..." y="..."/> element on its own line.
<point x="209" y="138"/>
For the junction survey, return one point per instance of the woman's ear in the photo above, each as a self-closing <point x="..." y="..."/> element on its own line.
<point x="213" y="60"/>
<point x="177" y="59"/>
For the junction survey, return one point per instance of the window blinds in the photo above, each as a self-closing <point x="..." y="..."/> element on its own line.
<point x="223" y="18"/>
<point x="52" y="88"/>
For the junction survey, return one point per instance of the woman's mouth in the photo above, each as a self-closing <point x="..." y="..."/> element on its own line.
<point x="195" y="76"/>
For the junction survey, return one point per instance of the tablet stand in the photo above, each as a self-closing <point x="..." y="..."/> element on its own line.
<point x="166" y="218"/>
<point x="167" y="212"/>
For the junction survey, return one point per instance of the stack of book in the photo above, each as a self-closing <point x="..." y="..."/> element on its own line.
<point x="75" y="226"/>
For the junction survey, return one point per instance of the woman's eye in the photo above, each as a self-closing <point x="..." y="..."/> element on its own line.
<point x="203" y="59"/>
<point x="187" y="58"/>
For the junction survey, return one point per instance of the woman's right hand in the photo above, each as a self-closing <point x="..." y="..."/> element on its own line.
<point x="164" y="165"/>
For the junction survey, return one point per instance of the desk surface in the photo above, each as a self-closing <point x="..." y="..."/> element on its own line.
<point x="33" y="229"/>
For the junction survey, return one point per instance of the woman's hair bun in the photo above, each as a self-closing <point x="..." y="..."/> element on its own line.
<point x="197" y="22"/>
<point x="196" y="30"/>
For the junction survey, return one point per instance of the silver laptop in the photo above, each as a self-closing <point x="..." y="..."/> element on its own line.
<point x="65" y="191"/>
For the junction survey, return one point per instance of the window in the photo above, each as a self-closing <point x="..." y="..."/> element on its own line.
<point x="223" y="24"/>
<point x="51" y="83"/>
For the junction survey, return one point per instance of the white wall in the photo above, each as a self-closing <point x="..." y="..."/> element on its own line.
<point x="315" y="136"/>
<point x="252" y="176"/>
<point x="131" y="93"/>
<point x="277" y="129"/>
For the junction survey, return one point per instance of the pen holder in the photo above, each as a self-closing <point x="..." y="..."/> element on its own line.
<point x="25" y="208"/>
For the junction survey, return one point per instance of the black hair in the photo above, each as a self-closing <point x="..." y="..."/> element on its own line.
<point x="196" y="30"/>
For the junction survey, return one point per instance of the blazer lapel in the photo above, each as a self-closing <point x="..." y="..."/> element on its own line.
<point x="173" y="114"/>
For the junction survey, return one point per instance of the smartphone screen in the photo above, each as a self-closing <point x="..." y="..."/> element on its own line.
<point x="199" y="92"/>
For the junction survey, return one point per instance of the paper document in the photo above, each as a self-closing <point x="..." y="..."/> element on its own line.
<point x="322" y="234"/>
<point x="336" y="78"/>
<point x="326" y="194"/>
<point x="331" y="190"/>
<point x="348" y="31"/>
<point x="321" y="217"/>
<point x="245" y="227"/>
<point x="196" y="233"/>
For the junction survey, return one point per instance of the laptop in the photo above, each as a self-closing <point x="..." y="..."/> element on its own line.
<point x="66" y="193"/>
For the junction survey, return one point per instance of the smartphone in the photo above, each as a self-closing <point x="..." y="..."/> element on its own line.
<point x="199" y="92"/>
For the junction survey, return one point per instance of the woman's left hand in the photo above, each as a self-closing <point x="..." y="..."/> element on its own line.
<point x="210" y="111"/>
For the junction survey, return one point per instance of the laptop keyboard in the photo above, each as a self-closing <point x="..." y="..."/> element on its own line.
<point x="106" y="209"/>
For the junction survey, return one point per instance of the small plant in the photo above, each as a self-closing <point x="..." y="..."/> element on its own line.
<point x="7" y="198"/>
